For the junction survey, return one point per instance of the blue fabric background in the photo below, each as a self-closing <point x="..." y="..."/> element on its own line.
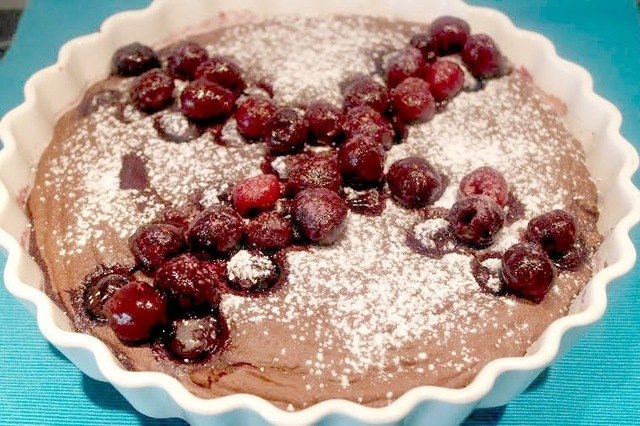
<point x="597" y="383"/>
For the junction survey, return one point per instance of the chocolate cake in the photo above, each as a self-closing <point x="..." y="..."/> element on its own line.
<point x="315" y="208"/>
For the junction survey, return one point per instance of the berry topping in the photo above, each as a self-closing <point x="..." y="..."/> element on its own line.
<point x="324" y="122"/>
<point x="223" y="71"/>
<point x="554" y="231"/>
<point x="427" y="45"/>
<point x="315" y="172"/>
<point x="288" y="131"/>
<point x="476" y="220"/>
<point x="412" y="100"/>
<point x="99" y="289"/>
<point x="527" y="271"/>
<point x="450" y="33"/>
<point x="189" y="281"/>
<point x="485" y="181"/>
<point x="152" y="90"/>
<point x="194" y="338"/>
<point x="134" y="59"/>
<point x="217" y="229"/>
<point x="153" y="243"/>
<point x="365" y="91"/>
<point x="256" y="194"/>
<point x="413" y="182"/>
<point x="482" y="57"/>
<point x="361" y="162"/>
<point x="269" y="230"/>
<point x="184" y="59"/>
<point x="406" y="63"/>
<point x="135" y="310"/>
<point x="321" y="215"/>
<point x="175" y="127"/>
<point x="252" y="271"/>
<point x="253" y="116"/>
<point x="369" y="123"/>
<point x="445" y="79"/>
<point x="203" y="99"/>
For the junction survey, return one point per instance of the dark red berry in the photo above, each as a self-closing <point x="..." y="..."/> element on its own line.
<point x="99" y="289"/>
<point x="185" y="58"/>
<point x="412" y="100"/>
<point x="554" y="231"/>
<point x="476" y="220"/>
<point x="152" y="90"/>
<point x="365" y="91"/>
<point x="367" y="122"/>
<point x="527" y="271"/>
<point x="450" y="33"/>
<point x="194" y="338"/>
<point x="445" y="79"/>
<point x="324" y="121"/>
<point x="315" y="172"/>
<point x="413" y="182"/>
<point x="135" y="311"/>
<point x="251" y="271"/>
<point x="134" y="59"/>
<point x="485" y="181"/>
<point x="483" y="58"/>
<point x="217" y="229"/>
<point x="321" y="215"/>
<point x="223" y="71"/>
<point x="256" y="194"/>
<point x="175" y="127"/>
<point x="203" y="99"/>
<point x="427" y="45"/>
<point x="361" y="162"/>
<point x="406" y="63"/>
<point x="287" y="131"/>
<point x="191" y="282"/>
<point x="179" y="216"/>
<point x="253" y="117"/>
<point x="153" y="243"/>
<point x="269" y="230"/>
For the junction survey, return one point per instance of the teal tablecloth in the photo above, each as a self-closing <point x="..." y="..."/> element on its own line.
<point x="597" y="383"/>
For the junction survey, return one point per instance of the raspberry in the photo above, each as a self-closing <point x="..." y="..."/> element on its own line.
<point x="288" y="131"/>
<point x="476" y="220"/>
<point x="361" y="162"/>
<point x="253" y="117"/>
<point x="152" y="90"/>
<point x="485" y="181"/>
<point x="527" y="271"/>
<point x="269" y="230"/>
<point x="153" y="243"/>
<point x="217" y="229"/>
<point x="413" y="182"/>
<point x="412" y="100"/>
<point x="184" y="59"/>
<point x="223" y="71"/>
<point x="483" y="58"/>
<point x="365" y="91"/>
<point x="321" y="215"/>
<point x="256" y="194"/>
<point x="450" y="34"/>
<point x="203" y="99"/>
<point x="445" y="79"/>
<point x="133" y="59"/>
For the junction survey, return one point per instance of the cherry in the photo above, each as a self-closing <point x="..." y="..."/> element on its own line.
<point x="369" y="123"/>
<point x="185" y="58"/>
<point x="194" y="338"/>
<point x="189" y="281"/>
<point x="427" y="44"/>
<point x="152" y="90"/>
<point x="527" y="271"/>
<point x="361" y="161"/>
<point x="217" y="229"/>
<point x="450" y="34"/>
<point x="269" y="230"/>
<point x="203" y="99"/>
<point x="98" y="290"/>
<point x="483" y="58"/>
<point x="253" y="116"/>
<point x="324" y="122"/>
<point x="485" y="181"/>
<point x="135" y="310"/>
<point x="365" y="91"/>
<point x="405" y="63"/>
<point x="133" y="59"/>
<point x="476" y="220"/>
<point x="288" y="131"/>
<point x="153" y="243"/>
<point x="175" y="127"/>
<point x="252" y="271"/>
<point x="413" y="182"/>
<point x="321" y="215"/>
<point x="554" y="231"/>
<point x="445" y="79"/>
<point x="412" y="100"/>
<point x="223" y="71"/>
<point x="315" y="172"/>
<point x="256" y="194"/>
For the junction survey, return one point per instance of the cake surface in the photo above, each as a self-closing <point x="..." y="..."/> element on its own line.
<point x="366" y="318"/>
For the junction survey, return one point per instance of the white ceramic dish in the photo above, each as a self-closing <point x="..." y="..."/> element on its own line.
<point x="27" y="129"/>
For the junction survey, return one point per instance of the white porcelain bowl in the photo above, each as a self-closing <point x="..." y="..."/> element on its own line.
<point x="27" y="129"/>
